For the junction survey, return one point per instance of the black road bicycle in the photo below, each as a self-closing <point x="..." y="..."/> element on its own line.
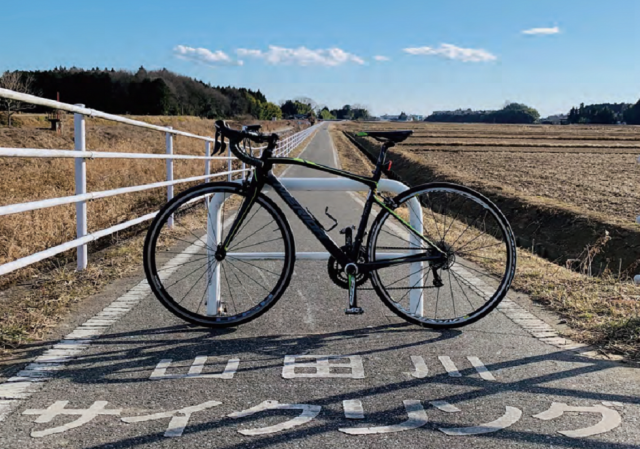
<point x="225" y="266"/>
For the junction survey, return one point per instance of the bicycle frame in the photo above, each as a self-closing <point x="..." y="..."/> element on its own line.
<point x="263" y="176"/>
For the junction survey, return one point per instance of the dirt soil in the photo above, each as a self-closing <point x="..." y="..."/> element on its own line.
<point x="558" y="202"/>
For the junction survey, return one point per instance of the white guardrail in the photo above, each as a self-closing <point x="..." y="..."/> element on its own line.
<point x="83" y="237"/>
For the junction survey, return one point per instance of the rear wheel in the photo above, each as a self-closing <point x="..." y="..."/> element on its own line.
<point x="186" y="277"/>
<point x="477" y="263"/>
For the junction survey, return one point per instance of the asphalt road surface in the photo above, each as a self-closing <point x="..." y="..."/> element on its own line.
<point x="136" y="376"/>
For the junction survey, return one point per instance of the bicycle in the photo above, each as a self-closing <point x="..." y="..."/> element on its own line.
<point x="466" y="250"/>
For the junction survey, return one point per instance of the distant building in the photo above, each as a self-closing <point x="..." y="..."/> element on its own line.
<point x="558" y="119"/>
<point x="396" y="118"/>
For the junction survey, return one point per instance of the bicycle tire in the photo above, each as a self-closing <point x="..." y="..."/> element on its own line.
<point x="193" y="196"/>
<point x="509" y="257"/>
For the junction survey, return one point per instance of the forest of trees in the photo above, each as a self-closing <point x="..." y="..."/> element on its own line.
<point x="157" y="92"/>
<point x="348" y="112"/>
<point x="161" y="92"/>
<point x="511" y="113"/>
<point x="602" y="114"/>
<point x="606" y="114"/>
<point x="307" y="107"/>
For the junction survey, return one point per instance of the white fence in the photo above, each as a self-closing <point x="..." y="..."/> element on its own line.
<point x="285" y="146"/>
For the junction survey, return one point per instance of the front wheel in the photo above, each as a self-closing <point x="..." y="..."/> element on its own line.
<point x="475" y="263"/>
<point x="186" y="276"/>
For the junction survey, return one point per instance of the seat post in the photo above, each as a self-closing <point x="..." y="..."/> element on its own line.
<point x="377" y="174"/>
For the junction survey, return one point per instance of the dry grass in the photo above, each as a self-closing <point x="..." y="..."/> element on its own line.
<point x="26" y="180"/>
<point x="34" y="298"/>
<point x="601" y="311"/>
<point x="599" y="179"/>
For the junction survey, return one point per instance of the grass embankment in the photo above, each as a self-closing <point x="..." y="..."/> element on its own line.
<point x="33" y="299"/>
<point x="601" y="311"/>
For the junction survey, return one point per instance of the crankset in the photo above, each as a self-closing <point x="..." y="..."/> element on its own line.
<point x="339" y="277"/>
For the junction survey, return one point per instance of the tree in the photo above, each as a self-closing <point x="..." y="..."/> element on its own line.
<point x="632" y="115"/>
<point x="269" y="110"/>
<point x="16" y="82"/>
<point x="292" y="108"/>
<point x="403" y="116"/>
<point x="511" y="113"/>
<point x="308" y="101"/>
<point x="325" y="114"/>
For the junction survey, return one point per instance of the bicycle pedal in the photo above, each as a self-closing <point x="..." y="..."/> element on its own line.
<point x="354" y="311"/>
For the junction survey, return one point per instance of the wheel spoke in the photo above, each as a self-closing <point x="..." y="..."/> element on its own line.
<point x="251" y="235"/>
<point x="259" y="243"/>
<point x="455" y="276"/>
<point x="259" y="268"/>
<point x="249" y="277"/>
<point x="244" y="286"/>
<point x="454" y="216"/>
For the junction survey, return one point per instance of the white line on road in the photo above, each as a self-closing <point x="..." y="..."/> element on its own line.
<point x="353" y="409"/>
<point x="511" y="416"/>
<point x="309" y="412"/>
<point x="417" y="418"/>
<point x="445" y="406"/>
<point x="421" y="369"/>
<point x="480" y="368"/>
<point x="449" y="366"/>
<point x="195" y="371"/>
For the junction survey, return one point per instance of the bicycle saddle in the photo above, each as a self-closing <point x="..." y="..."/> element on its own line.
<point x="393" y="136"/>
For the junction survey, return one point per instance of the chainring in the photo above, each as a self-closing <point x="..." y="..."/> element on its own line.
<point x="339" y="277"/>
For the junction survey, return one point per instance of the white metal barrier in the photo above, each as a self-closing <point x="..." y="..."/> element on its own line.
<point x="80" y="154"/>
<point x="316" y="185"/>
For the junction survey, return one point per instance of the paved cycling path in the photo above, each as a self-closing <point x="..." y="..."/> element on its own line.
<point x="489" y="385"/>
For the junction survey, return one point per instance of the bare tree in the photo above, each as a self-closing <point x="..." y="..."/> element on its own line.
<point x="18" y="83"/>
<point x="306" y="100"/>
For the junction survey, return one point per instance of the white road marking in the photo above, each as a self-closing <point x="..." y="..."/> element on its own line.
<point x="44" y="367"/>
<point x="445" y="406"/>
<point x="195" y="371"/>
<point x="449" y="366"/>
<point x="308" y="317"/>
<point x="322" y="366"/>
<point x="610" y="419"/>
<point x="353" y="409"/>
<point x="421" y="369"/>
<point x="58" y="408"/>
<point x="511" y="416"/>
<point x="480" y="368"/>
<point x="179" y="418"/>
<point x="336" y="160"/>
<point x="308" y="413"/>
<point x="417" y="418"/>
<point x="612" y="404"/>
<point x="300" y="154"/>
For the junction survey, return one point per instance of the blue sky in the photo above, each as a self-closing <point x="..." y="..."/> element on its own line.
<point x="441" y="54"/>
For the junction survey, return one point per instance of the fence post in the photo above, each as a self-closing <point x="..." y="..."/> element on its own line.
<point x="81" y="186"/>
<point x="230" y="165"/>
<point x="169" y="141"/>
<point x="207" y="168"/>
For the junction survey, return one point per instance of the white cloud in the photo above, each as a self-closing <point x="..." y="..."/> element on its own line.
<point x="380" y="58"/>
<point x="453" y="52"/>
<point x="542" y="31"/>
<point x="302" y="56"/>
<point x="204" y="56"/>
